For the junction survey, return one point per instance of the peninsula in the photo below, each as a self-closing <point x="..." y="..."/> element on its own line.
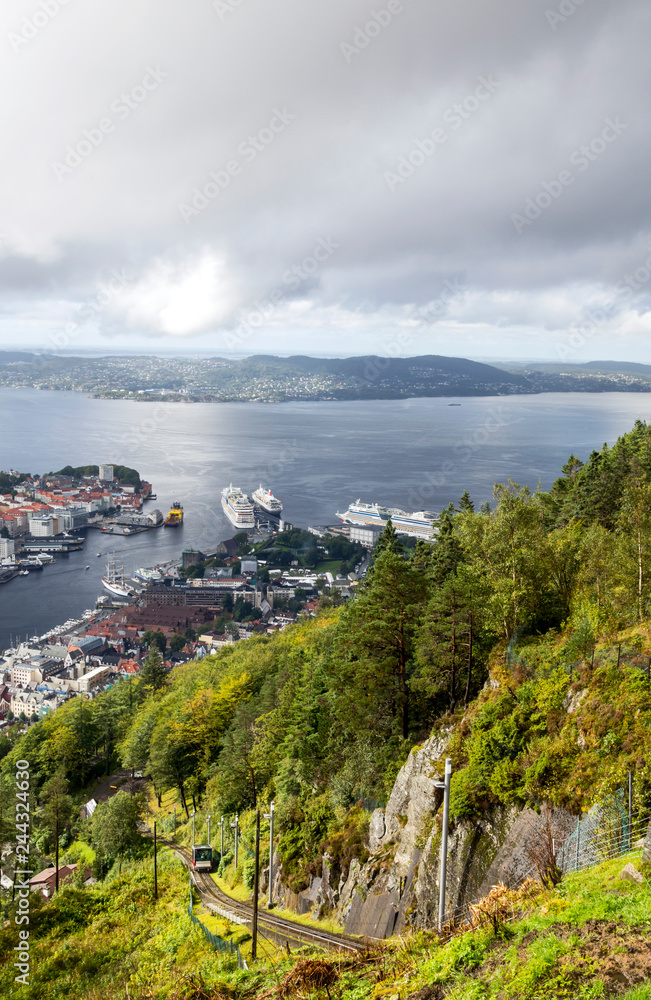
<point x="270" y="379"/>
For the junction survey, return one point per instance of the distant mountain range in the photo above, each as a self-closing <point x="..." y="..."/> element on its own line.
<point x="269" y="378"/>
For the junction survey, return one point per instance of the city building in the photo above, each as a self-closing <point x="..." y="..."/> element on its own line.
<point x="190" y="557"/>
<point x="72" y="518"/>
<point x="93" y="679"/>
<point x="43" y="526"/>
<point x="106" y="473"/>
<point x="366" y="534"/>
<point x="7" y="548"/>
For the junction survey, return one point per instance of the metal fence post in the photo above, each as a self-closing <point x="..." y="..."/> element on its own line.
<point x="235" y="826"/>
<point x="445" y="785"/>
<point x="630" y="810"/>
<point x="256" y="887"/>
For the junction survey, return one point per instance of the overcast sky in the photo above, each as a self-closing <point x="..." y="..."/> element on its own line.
<point x="327" y="176"/>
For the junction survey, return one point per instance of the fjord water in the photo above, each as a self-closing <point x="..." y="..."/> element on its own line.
<point x="316" y="457"/>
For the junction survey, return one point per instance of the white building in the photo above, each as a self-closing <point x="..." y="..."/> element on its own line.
<point x="42" y="526"/>
<point x="367" y="534"/>
<point x="7" y="547"/>
<point x="26" y="673"/>
<point x="93" y="678"/>
<point x="29" y="702"/>
<point x="106" y="473"/>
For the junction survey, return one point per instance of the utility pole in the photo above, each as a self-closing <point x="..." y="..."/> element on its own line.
<point x="445" y="785"/>
<point x="221" y="839"/>
<point x="175" y="821"/>
<point x="208" y="829"/>
<point x="193" y="812"/>
<point x="56" y="845"/>
<point x="155" y="865"/>
<point x="235" y="826"/>
<point x="270" y="817"/>
<point x="256" y="886"/>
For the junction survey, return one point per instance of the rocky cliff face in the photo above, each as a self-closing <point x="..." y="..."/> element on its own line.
<point x="399" y="884"/>
<point x="646" y="853"/>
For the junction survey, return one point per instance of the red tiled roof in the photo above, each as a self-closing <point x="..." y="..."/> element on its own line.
<point x="49" y="873"/>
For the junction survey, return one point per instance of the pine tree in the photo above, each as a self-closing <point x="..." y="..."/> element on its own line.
<point x="448" y="553"/>
<point x="465" y="503"/>
<point x="153" y="672"/>
<point x="388" y="541"/>
<point x="57" y="812"/>
<point x="446" y="640"/>
<point x="378" y="629"/>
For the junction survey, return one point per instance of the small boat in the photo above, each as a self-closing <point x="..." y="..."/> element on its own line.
<point x="99" y="555"/>
<point x="175" y="516"/>
<point x="87" y="567"/>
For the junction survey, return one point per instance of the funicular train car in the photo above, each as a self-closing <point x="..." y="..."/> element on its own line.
<point x="202" y="858"/>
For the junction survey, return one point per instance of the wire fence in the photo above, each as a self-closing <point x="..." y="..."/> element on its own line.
<point x="623" y="656"/>
<point x="218" y="943"/>
<point x="605" y="833"/>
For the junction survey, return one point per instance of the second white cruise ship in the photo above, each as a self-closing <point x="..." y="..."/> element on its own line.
<point x="420" y="523"/>
<point x="237" y="507"/>
<point x="265" y="499"/>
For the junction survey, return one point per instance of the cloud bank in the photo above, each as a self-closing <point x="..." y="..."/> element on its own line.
<point x="207" y="150"/>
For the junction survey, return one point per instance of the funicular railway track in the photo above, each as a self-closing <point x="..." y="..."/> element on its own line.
<point x="280" y="930"/>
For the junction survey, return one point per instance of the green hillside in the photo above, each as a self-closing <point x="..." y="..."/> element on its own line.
<point x="588" y="938"/>
<point x="547" y="596"/>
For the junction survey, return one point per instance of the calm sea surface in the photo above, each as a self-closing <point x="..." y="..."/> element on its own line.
<point x="317" y="457"/>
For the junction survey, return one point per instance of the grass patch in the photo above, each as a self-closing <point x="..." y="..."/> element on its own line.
<point x="328" y="566"/>
<point x="228" y="883"/>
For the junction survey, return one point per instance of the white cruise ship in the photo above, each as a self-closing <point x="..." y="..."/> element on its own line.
<point x="364" y="513"/>
<point x="237" y="507"/>
<point x="420" y="523"/>
<point x="264" y="498"/>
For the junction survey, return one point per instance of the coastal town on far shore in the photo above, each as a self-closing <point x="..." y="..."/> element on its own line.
<point x="253" y="584"/>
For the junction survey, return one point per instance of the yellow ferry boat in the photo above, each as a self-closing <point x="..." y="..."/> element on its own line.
<point x="175" y="516"/>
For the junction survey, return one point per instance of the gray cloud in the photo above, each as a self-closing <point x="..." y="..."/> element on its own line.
<point x="205" y="148"/>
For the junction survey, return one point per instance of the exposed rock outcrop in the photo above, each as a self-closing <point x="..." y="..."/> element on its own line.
<point x="414" y="800"/>
<point x="375" y="896"/>
<point x="399" y="884"/>
<point x="646" y="853"/>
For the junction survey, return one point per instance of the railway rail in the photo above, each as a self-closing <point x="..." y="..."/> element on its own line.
<point x="280" y="930"/>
